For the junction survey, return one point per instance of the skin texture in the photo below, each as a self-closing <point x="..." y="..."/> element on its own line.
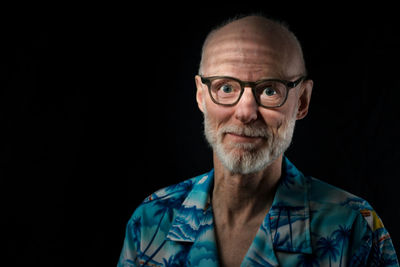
<point x="250" y="49"/>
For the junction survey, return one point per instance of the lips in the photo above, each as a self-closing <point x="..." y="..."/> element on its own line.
<point x="249" y="132"/>
<point x="240" y="138"/>
<point x="244" y="135"/>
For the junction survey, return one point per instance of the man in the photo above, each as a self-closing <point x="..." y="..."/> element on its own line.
<point x="254" y="208"/>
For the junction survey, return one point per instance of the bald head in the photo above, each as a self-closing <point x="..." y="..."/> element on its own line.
<point x="255" y="42"/>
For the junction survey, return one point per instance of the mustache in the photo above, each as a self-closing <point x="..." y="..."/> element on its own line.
<point x="246" y="130"/>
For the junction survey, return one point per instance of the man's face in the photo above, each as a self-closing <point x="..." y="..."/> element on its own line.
<point x="247" y="148"/>
<point x="246" y="138"/>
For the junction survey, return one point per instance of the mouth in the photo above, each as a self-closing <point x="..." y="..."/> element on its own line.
<point x="242" y="138"/>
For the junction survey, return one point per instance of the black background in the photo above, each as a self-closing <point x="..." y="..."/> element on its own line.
<point x="98" y="111"/>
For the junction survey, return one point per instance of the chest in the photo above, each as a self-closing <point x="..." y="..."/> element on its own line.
<point x="233" y="244"/>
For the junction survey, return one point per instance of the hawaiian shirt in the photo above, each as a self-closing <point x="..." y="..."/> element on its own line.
<point x="310" y="223"/>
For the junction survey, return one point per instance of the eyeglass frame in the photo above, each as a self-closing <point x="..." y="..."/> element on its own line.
<point x="243" y="84"/>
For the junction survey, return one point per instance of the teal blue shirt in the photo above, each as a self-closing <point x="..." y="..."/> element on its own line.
<point x="310" y="223"/>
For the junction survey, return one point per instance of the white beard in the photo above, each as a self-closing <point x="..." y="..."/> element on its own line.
<point x="246" y="158"/>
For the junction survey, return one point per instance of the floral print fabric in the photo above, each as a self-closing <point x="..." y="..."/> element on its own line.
<point x="310" y="223"/>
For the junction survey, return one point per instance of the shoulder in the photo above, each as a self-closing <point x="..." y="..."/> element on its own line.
<point x="173" y="191"/>
<point x="320" y="194"/>
<point x="327" y="194"/>
<point x="352" y="216"/>
<point x="151" y="221"/>
<point x="165" y="201"/>
<point x="331" y="206"/>
<point x="333" y="202"/>
<point x="340" y="217"/>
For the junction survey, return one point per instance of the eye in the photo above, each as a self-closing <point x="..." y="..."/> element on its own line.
<point x="226" y="88"/>
<point x="269" y="91"/>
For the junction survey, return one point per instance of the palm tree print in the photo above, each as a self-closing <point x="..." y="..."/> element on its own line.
<point x="175" y="227"/>
<point x="327" y="247"/>
<point x="287" y="209"/>
<point x="342" y="235"/>
<point x="166" y="206"/>
<point x="278" y="242"/>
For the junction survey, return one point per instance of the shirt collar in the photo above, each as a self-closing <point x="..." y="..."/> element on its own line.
<point x="289" y="216"/>
<point x="287" y="224"/>
<point x="195" y="214"/>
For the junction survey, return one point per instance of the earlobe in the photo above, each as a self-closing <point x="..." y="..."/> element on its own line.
<point x="304" y="99"/>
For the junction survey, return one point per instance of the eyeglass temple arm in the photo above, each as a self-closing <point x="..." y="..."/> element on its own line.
<point x="296" y="82"/>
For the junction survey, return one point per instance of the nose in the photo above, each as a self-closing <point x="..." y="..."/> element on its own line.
<point x="246" y="110"/>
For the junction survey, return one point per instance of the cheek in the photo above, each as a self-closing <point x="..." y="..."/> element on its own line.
<point x="273" y="118"/>
<point x="292" y="103"/>
<point x="218" y="114"/>
<point x="276" y="117"/>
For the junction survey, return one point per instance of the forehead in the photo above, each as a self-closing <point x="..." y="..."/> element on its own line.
<point x="250" y="52"/>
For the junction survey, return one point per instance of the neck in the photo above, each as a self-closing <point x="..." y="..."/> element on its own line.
<point x="238" y="198"/>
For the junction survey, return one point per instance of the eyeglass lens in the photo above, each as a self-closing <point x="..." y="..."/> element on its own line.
<point x="269" y="93"/>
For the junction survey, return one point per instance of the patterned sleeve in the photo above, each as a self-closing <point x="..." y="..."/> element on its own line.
<point x="376" y="248"/>
<point x="128" y="257"/>
<point x="382" y="251"/>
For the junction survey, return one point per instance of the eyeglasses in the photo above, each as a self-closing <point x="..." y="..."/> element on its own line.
<point x="268" y="93"/>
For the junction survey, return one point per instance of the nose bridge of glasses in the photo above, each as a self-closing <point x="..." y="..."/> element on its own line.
<point x="250" y="85"/>
<point x="252" y="94"/>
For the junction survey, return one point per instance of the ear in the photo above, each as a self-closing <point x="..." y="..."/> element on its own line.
<point x="199" y="93"/>
<point x="304" y="98"/>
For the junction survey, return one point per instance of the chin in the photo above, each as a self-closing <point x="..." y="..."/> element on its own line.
<point x="245" y="160"/>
